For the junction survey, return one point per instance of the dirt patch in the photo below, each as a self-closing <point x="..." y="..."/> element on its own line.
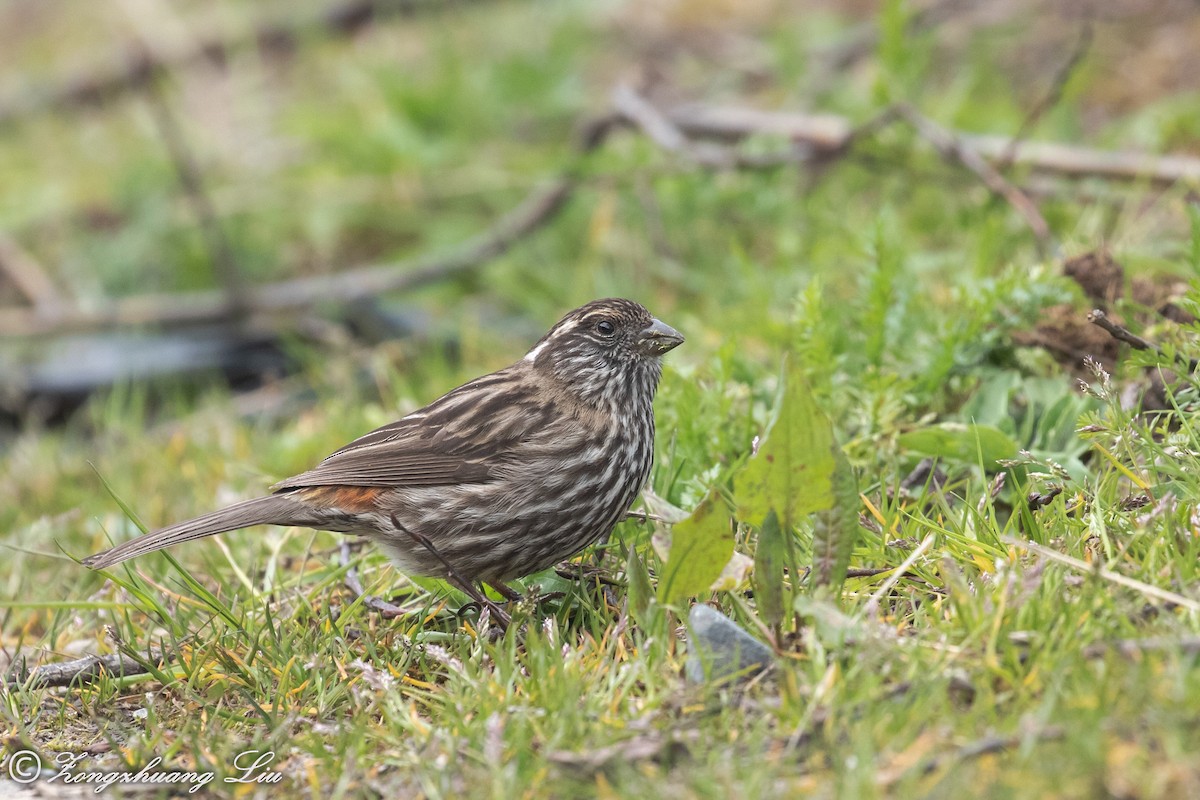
<point x="1064" y="331"/>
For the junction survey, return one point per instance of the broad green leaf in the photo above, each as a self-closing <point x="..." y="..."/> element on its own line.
<point x="836" y="531"/>
<point x="701" y="546"/>
<point x="770" y="556"/>
<point x="793" y="470"/>
<point x="955" y="441"/>
<point x="637" y="581"/>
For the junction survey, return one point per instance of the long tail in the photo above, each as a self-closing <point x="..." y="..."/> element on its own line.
<point x="276" y="509"/>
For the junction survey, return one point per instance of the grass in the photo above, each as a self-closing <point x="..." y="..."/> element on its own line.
<point x="893" y="281"/>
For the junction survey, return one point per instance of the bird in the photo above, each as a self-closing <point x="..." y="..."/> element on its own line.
<point x="502" y="477"/>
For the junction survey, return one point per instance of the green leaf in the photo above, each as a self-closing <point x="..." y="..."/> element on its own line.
<point x="638" y="591"/>
<point x="701" y="546"/>
<point x="770" y="556"/>
<point x="836" y="532"/>
<point x="955" y="441"/>
<point x="793" y="470"/>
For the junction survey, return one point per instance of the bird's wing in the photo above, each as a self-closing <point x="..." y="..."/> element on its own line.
<point x="463" y="437"/>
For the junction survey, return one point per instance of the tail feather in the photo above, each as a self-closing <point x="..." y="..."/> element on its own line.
<point x="278" y="509"/>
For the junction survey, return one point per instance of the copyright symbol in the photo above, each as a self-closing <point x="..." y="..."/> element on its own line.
<point x="24" y="766"/>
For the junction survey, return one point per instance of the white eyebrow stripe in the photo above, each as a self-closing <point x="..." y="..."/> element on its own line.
<point x="533" y="354"/>
<point x="562" y="328"/>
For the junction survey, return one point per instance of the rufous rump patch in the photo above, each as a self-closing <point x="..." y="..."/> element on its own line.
<point x="353" y="499"/>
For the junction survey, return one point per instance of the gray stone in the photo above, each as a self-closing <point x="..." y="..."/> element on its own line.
<point x="719" y="648"/>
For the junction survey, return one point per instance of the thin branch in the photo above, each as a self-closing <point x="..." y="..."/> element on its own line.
<point x="1119" y="332"/>
<point x="1133" y="648"/>
<point x="871" y="608"/>
<point x="863" y="39"/>
<point x="829" y="132"/>
<point x="1050" y="99"/>
<point x="635" y="108"/>
<point x="102" y="82"/>
<point x="950" y="145"/>
<point x="1099" y="571"/>
<point x="1122" y="334"/>
<point x="84" y="670"/>
<point x="344" y="287"/>
<point x="989" y="745"/>
<point x="292" y="295"/>
<point x="224" y="263"/>
<point x="28" y="277"/>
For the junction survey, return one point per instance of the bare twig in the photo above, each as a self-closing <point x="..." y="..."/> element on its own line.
<point x="1119" y="332"/>
<point x="224" y="262"/>
<point x="84" y="670"/>
<point x="635" y="108"/>
<point x="28" y="277"/>
<point x="1132" y="648"/>
<point x="830" y="132"/>
<point x="347" y="286"/>
<point x="1100" y="571"/>
<point x="871" y="608"/>
<point x="100" y="83"/>
<point x="989" y="745"/>
<point x="159" y="32"/>
<point x="1122" y="334"/>
<point x="1050" y="99"/>
<point x="952" y="146"/>
<point x="300" y="293"/>
<point x="861" y="41"/>
<point x="827" y="132"/>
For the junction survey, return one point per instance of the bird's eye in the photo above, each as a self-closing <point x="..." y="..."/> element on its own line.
<point x="606" y="328"/>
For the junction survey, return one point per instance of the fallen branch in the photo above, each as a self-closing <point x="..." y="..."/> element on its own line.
<point x="224" y="263"/>
<point x="1133" y="648"/>
<point x="1051" y="98"/>
<point x="100" y="83"/>
<point x="989" y="745"/>
<point x="28" y="277"/>
<point x="1122" y="334"/>
<point x="347" y="286"/>
<point x="84" y="670"/>
<point x="1146" y="589"/>
<point x="654" y="746"/>
<point x="831" y="133"/>
<point x="1119" y="332"/>
<point x="811" y="138"/>
<point x="863" y="40"/>
<point x="952" y="146"/>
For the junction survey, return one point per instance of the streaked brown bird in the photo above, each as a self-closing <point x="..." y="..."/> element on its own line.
<point x="502" y="477"/>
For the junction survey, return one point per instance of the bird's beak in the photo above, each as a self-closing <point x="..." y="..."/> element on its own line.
<point x="657" y="338"/>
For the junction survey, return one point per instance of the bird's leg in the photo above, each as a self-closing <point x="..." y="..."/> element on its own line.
<point x="510" y="594"/>
<point x="513" y="596"/>
<point x="502" y="617"/>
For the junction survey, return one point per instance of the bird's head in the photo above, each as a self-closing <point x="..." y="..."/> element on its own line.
<point x="606" y="351"/>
